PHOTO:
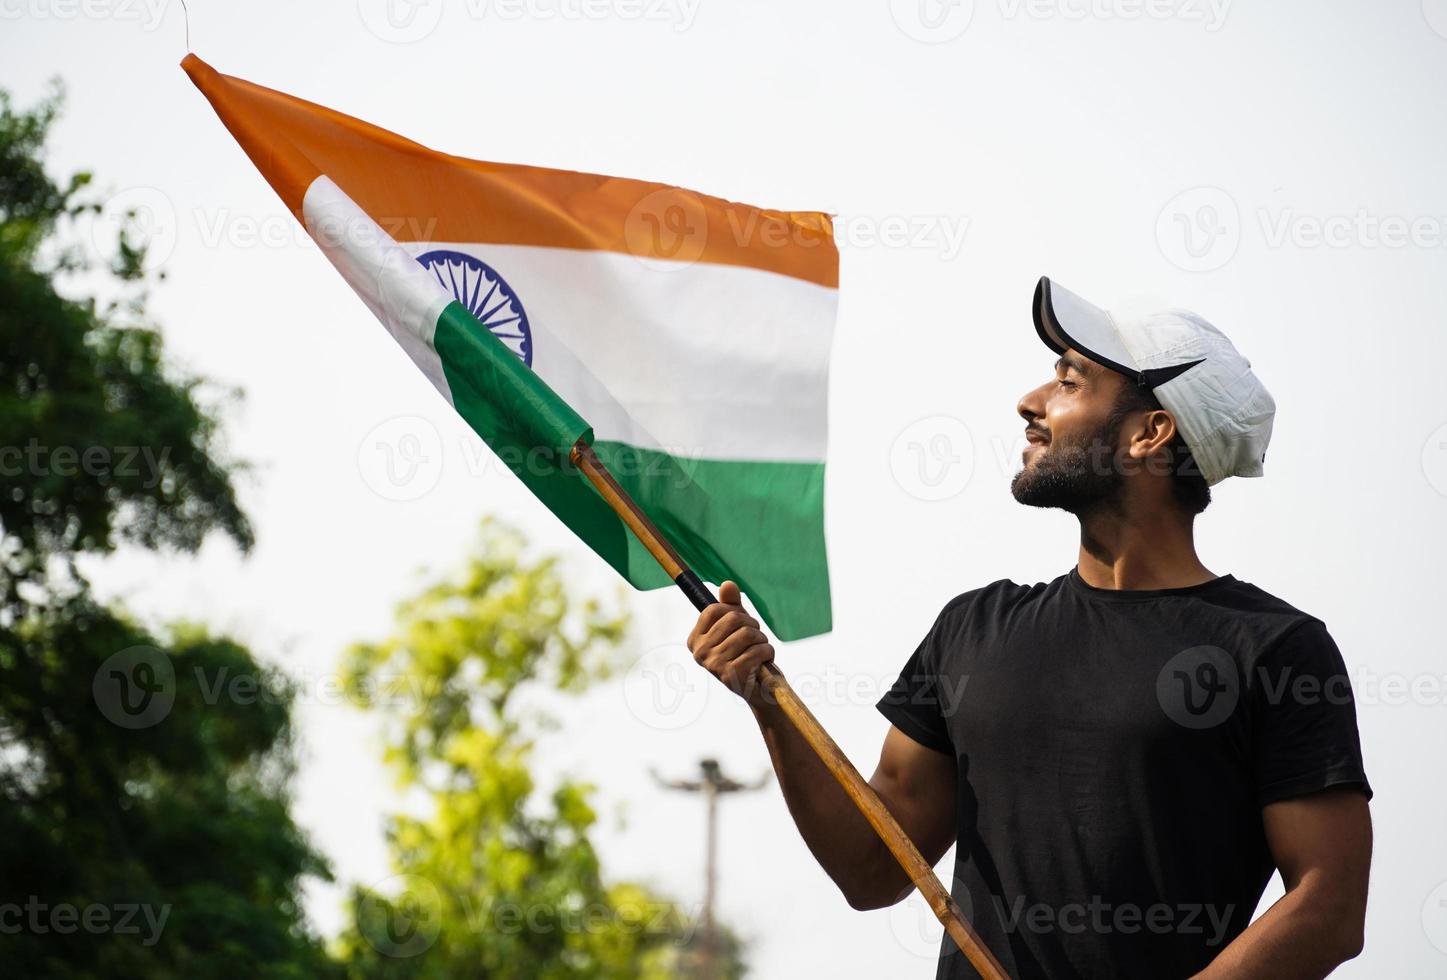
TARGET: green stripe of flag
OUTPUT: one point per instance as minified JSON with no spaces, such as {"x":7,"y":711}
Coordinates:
{"x":506,"y":396}
{"x":758,"y":523}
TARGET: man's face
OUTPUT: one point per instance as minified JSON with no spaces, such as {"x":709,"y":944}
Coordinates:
{"x":1073,"y":434}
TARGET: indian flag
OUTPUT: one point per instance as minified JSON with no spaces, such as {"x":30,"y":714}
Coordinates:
{"x":686,"y":337}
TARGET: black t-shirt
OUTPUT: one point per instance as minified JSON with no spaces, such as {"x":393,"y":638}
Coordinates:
{"x":1114,"y":750}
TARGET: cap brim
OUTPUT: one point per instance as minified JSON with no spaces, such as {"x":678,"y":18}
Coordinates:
{"x":1064,"y":320}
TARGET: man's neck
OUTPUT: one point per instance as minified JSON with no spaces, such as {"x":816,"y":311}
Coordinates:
{"x":1143,"y":547}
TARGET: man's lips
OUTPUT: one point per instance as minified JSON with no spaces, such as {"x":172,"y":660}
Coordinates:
{"x":1035,"y":438}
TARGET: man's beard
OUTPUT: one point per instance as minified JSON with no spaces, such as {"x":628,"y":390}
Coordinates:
{"x":1071,"y":476}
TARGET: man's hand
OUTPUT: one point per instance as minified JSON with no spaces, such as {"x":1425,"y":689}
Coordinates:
{"x":728,"y":643}
{"x":915,"y":783}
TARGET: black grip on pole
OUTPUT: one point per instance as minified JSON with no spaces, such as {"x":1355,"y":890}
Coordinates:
{"x":693,"y":587}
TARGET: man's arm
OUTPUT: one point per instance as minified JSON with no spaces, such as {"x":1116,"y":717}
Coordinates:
{"x":916,"y":784}
{"x":1322,"y":843}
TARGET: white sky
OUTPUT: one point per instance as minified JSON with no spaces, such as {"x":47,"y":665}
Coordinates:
{"x":1075,"y":138}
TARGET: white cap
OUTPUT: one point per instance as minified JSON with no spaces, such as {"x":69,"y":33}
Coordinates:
{"x":1223,"y":411}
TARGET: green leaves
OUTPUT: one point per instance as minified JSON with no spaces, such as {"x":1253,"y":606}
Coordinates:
{"x":465,"y":646}
{"x":499,"y":872}
{"x":178,"y":813}
{"x":100,"y":440}
{"x":144,"y":825}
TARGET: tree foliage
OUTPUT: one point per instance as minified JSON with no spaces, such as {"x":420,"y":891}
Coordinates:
{"x":497,"y":876}
{"x":144,"y":829}
{"x":157,"y":797}
{"x":99,"y":441}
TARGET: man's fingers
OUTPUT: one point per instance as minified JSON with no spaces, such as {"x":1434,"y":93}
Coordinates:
{"x":729,"y":643}
{"x":711,"y":614}
{"x":732,"y":646}
{"x":739,"y":674}
{"x":727,"y":625}
{"x":730,"y":600}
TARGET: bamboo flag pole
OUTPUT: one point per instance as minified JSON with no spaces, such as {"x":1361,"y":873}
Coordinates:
{"x":803,"y":719}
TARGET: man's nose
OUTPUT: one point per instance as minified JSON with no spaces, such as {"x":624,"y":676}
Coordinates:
{"x":1032,"y":404}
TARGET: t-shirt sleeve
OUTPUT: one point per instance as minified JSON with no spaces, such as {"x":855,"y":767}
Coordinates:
{"x":913,"y":704}
{"x":1304,"y":718}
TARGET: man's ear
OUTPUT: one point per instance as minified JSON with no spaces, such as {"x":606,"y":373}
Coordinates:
{"x":1156,"y":431}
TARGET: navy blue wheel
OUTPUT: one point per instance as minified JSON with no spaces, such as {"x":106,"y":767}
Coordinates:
{"x":486,"y":295}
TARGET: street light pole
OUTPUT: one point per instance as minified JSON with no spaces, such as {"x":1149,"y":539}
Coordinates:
{"x":712,"y":784}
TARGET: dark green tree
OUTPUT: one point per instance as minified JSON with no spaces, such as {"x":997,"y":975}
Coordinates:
{"x":99,"y":442}
{"x":144,"y":829}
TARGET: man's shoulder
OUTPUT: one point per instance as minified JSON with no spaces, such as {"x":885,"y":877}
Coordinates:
{"x":1269,"y":628}
{"x":994,"y":598}
{"x":1249,"y":599}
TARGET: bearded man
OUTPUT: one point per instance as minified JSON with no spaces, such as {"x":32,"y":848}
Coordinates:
{"x":1127,"y":753}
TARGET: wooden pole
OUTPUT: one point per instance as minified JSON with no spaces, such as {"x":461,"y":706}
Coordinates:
{"x":803,"y":719}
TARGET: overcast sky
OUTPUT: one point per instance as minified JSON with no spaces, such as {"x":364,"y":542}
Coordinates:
{"x":1275,"y":166}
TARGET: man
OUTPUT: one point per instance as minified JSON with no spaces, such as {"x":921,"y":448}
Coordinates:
{"x":1124,"y":754}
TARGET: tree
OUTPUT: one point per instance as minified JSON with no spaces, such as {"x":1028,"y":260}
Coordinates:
{"x":145,"y":785}
{"x":498,"y":877}
{"x":144,"y":829}
{"x":99,"y":442}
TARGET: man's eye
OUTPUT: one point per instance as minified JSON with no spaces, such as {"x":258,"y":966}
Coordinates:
{"x":1065,"y":383}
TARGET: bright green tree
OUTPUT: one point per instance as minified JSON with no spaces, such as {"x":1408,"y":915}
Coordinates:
{"x":497,"y":876}
{"x":144,"y":829}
